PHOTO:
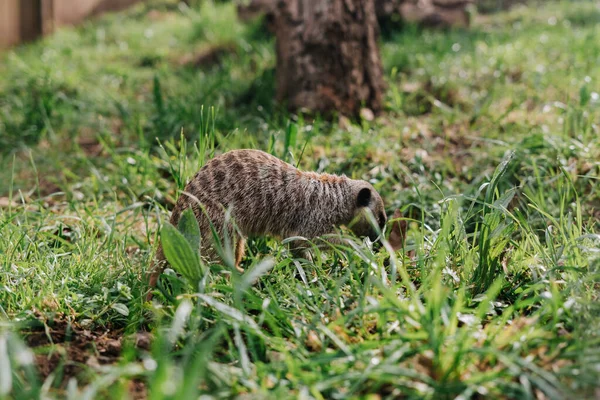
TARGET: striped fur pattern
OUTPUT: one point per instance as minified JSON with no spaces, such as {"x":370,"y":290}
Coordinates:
{"x":269,"y":197}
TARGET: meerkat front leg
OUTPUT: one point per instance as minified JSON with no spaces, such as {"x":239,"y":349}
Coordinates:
{"x":301,"y":249}
{"x":304,"y":249}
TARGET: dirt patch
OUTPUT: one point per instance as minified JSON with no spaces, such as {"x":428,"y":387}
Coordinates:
{"x":208,"y":57}
{"x":446,"y":146}
{"x":398,"y":231}
{"x":160,"y":15}
{"x":494,"y":6}
{"x":422,"y":97}
{"x":138,"y":390}
{"x":60,"y":341}
{"x":90,"y":146}
{"x":63,"y":345}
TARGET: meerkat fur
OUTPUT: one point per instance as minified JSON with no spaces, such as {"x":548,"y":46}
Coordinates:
{"x":269,"y":197}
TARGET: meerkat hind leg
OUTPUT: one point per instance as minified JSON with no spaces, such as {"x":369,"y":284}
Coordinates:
{"x":240,"y":248}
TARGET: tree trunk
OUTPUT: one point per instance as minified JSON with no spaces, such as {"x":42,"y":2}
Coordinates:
{"x":327,"y":55}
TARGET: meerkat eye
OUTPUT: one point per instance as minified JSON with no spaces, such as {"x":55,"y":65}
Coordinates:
{"x":364,"y":197}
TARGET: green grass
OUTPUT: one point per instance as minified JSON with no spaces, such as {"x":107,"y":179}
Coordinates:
{"x":488,"y":144}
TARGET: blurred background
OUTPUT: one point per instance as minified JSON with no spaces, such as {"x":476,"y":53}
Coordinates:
{"x":478,"y":120}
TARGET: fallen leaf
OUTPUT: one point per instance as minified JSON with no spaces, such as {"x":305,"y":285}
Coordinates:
{"x":313,"y":342}
{"x":6,"y":202}
{"x":398,"y":231}
{"x":367,"y":114}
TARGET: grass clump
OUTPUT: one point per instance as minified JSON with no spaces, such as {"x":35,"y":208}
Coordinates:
{"x":488,"y":146}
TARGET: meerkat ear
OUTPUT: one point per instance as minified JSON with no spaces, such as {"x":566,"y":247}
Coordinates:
{"x":364,"y":197}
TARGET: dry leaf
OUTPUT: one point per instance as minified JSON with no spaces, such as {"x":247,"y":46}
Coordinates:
{"x":5,"y":202}
{"x":398,"y":231}
{"x":367,"y":114}
{"x":313,"y":342}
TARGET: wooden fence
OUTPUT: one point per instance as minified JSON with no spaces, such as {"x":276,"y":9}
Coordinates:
{"x":24,"y":20}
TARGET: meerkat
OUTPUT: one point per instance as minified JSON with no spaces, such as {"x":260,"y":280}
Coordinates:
{"x":269,"y":197}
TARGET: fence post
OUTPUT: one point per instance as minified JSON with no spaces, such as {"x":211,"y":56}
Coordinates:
{"x":30,"y":19}
{"x":47,"y":16}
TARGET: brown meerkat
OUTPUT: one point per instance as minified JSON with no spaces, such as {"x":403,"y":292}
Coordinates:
{"x":269,"y":197}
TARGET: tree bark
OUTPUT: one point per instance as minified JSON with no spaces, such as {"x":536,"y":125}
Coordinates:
{"x":327,"y":55}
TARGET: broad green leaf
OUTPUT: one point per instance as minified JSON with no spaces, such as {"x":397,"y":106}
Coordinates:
{"x":188,"y":226}
{"x":182,"y":257}
{"x":121,"y":309}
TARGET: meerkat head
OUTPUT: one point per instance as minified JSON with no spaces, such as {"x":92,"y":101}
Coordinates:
{"x":367,"y":199}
